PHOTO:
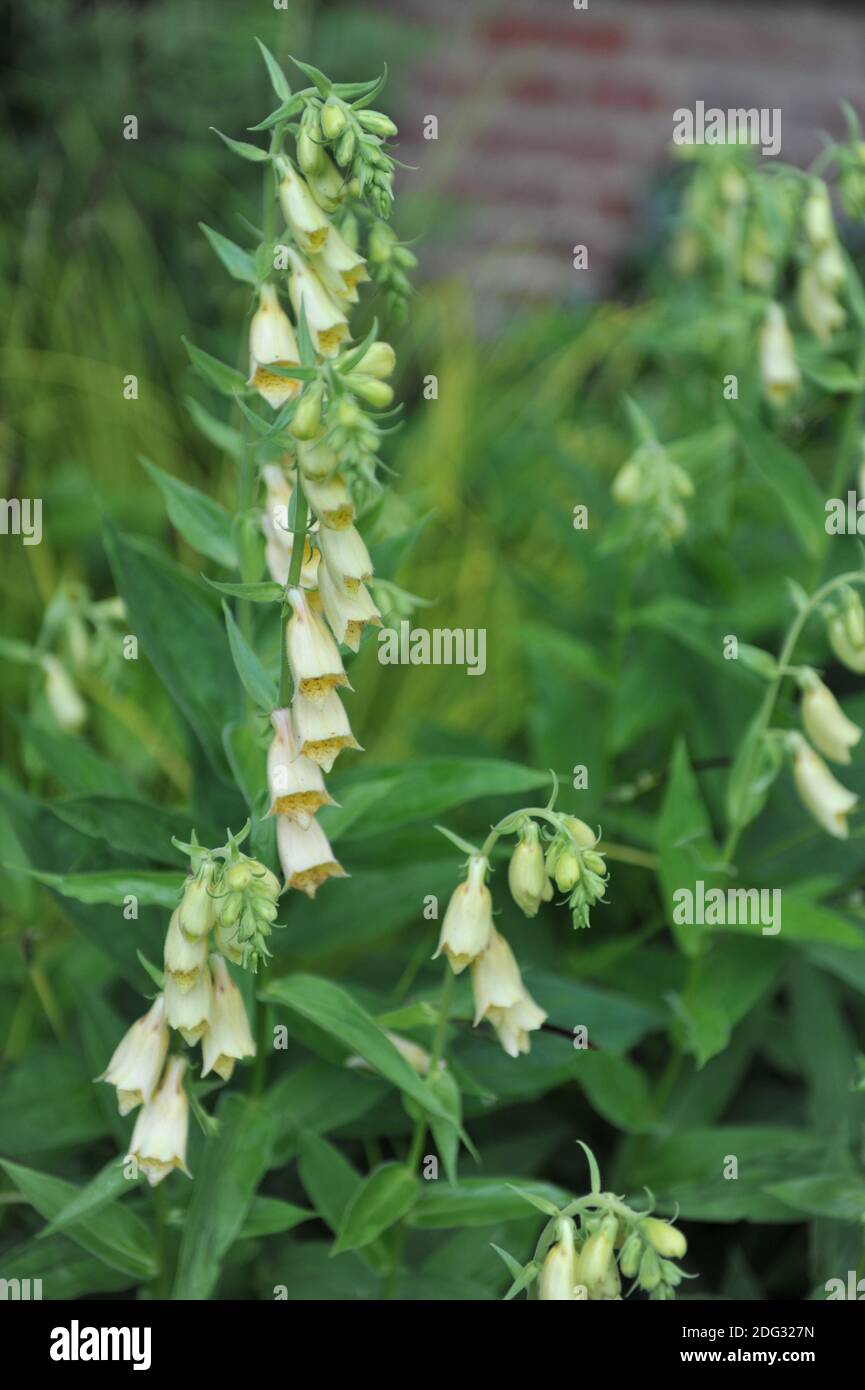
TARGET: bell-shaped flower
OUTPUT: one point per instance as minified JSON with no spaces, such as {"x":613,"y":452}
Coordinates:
{"x":295,"y":783}
{"x":502,"y":998}
{"x":818,"y":306}
{"x":228,"y":1038}
{"x":62,"y":695}
{"x":188,"y":1010}
{"x":307,"y":223}
{"x":136,"y":1063}
{"x":347,"y":613}
{"x":331,"y":501}
{"x":184,"y":956}
{"x":468,"y":921}
{"x":828,"y":801}
{"x":305,"y":855}
{"x":340,"y":267}
{"x":313,"y":656}
{"x":825,"y":722}
{"x":346,"y":557}
{"x":321,"y":728}
{"x":778,"y":369}
{"x":158,"y":1143}
{"x":272,"y":343}
{"x":328,"y":325}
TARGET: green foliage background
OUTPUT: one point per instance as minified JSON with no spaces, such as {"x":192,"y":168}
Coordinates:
{"x":725,"y":1043}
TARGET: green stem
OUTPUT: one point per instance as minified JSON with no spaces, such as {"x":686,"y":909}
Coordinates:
{"x":848,"y":430}
{"x":298,"y":545}
{"x":416,"y":1148}
{"x":767,"y":708}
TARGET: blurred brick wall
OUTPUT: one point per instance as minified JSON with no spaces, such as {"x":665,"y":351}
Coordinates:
{"x":554,"y":122}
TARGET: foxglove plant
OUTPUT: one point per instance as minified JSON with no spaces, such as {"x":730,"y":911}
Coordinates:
{"x":317,"y":454}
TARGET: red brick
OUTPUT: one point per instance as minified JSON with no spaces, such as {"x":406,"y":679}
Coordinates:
{"x":626,"y":94}
{"x":514,"y":31}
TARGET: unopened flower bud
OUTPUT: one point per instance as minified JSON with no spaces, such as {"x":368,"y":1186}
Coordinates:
{"x":197,"y":910}
{"x":370,"y":389}
{"x":333,"y":118}
{"x":650,"y":1270}
{"x":378,"y":360}
{"x":527,"y":878}
{"x":559,"y":1275}
{"x":667,"y":1240}
{"x":306,"y":421}
{"x":629,"y":1258}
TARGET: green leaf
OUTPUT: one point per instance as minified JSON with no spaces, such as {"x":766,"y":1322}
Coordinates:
{"x":232,"y":1164}
{"x":264,"y":591}
{"x":328,"y":1178}
{"x":200,"y":520}
{"x":383,"y":1198}
{"x":785,"y":474}
{"x":480,"y":1202}
{"x":239,"y":264}
{"x":48,"y":1102}
{"x":114,"y":1235}
{"x":133,"y":827}
{"x":224,"y":379}
{"x":333,"y":1009}
{"x":102,"y":1190}
{"x":246,"y":151}
{"x":687,"y":851}
{"x":835,"y":1196}
{"x":723,"y":986}
{"x":315,"y":75}
{"x":258,"y":684}
{"x":75,"y":766}
{"x":67,"y":1270}
{"x":835,"y":377}
{"x":278,"y":79}
{"x":180,"y":635}
{"x":755,"y":767}
{"x":217,"y":431}
{"x":151,"y":887}
{"x":616,"y":1089}
{"x":269,"y":1216}
{"x":375,"y":800}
